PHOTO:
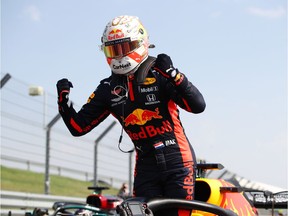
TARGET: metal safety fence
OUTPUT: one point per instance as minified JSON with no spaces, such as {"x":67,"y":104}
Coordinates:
{"x":33,"y":135}
{"x":17,"y":203}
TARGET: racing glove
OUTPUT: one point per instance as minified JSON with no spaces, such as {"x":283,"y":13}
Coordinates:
{"x":164,"y":66}
{"x":63,"y":89}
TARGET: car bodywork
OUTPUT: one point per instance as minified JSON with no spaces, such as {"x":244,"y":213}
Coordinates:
{"x":212,"y":197}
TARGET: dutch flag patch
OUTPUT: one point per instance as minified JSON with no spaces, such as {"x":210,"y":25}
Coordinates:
{"x":159,"y":145}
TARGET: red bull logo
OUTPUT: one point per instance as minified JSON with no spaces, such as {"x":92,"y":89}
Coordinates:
{"x":189,"y":182}
{"x":140,"y":117}
{"x":150,"y":131}
{"x":235,"y":201}
{"x":115,"y":34}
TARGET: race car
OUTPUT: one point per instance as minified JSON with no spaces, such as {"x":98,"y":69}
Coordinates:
{"x":212,"y":197}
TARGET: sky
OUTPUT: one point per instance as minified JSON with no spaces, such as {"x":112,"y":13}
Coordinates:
{"x":233,"y":51}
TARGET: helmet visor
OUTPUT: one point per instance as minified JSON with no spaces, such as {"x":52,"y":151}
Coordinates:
{"x":119,"y":48}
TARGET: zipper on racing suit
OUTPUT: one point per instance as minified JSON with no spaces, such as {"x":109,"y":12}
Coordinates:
{"x":159,"y":154}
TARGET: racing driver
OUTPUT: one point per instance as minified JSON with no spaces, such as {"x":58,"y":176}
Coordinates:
{"x":143,"y":93}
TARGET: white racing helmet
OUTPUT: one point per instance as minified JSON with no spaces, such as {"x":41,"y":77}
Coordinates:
{"x":125,"y":44}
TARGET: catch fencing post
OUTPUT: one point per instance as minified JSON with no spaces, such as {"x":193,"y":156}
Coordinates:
{"x":5,"y":79}
{"x":96,"y":150}
{"x":47,"y":161}
{"x":130,"y":173}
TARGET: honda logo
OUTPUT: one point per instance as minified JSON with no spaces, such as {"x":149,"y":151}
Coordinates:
{"x":151,"y":97}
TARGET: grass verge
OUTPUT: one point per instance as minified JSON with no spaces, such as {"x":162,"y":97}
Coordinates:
{"x":32,"y":182}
